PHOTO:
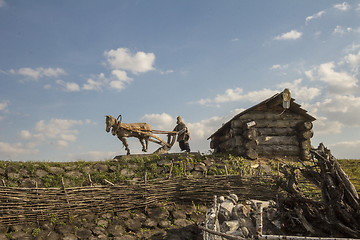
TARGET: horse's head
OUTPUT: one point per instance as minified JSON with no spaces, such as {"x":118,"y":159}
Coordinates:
{"x":110,"y":121}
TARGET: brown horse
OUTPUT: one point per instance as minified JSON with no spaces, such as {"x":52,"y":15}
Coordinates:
{"x":142,"y":131}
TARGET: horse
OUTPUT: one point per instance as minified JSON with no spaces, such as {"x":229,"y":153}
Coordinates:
{"x":142,"y":131}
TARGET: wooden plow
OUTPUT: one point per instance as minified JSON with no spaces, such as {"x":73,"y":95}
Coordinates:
{"x":165,"y":146}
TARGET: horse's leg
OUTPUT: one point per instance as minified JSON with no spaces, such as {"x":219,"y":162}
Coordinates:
{"x":142,"y":144}
{"x":123,"y":139}
{"x":147,"y":143}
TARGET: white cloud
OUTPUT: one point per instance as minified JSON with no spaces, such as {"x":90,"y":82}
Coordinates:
{"x":279,"y":67}
{"x":316,"y":15}
{"x":324,"y":126}
{"x":3,"y":105}
{"x":3,"y":108}
{"x":235,"y":95}
{"x":25,"y":134}
{"x":338,"y":82}
{"x":121,"y":79}
{"x":204,"y":128}
{"x":342,"y":6}
{"x":11,"y":151}
{"x":123,"y":59}
{"x":69,"y":86}
{"x":39,"y":72}
{"x":166,"y":72}
{"x":339,"y":30}
{"x":342,"y":108}
{"x":2,"y":3}
{"x":354,"y":61}
{"x":300,"y":92}
{"x":57,"y":131}
{"x":96,"y":82}
{"x":350,"y":149}
{"x":160,"y":121}
{"x":292,"y":35}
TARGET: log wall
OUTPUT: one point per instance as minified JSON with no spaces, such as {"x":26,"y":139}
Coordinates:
{"x":274,"y":134}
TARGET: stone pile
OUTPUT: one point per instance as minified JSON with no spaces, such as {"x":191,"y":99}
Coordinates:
{"x":229,"y":217}
{"x":163,"y":221}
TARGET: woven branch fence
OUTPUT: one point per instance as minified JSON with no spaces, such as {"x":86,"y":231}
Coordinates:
{"x":34,"y":205}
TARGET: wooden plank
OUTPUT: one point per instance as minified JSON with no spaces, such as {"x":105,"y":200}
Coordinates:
{"x":278,"y":140}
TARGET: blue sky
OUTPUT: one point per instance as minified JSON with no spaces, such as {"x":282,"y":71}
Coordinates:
{"x":64,"y":65}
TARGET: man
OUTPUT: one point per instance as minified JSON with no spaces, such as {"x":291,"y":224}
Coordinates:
{"x":183,"y":134}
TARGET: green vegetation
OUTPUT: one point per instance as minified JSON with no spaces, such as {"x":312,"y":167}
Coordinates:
{"x":82,"y":173}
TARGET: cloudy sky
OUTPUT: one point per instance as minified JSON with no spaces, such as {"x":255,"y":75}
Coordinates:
{"x":64,"y":65}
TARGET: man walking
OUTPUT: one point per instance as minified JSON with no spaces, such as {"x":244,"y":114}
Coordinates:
{"x":183,"y":134}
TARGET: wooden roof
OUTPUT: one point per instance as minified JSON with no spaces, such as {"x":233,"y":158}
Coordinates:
{"x":272,"y":101}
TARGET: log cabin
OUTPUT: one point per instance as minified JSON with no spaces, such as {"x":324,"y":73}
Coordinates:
{"x":276,"y":127}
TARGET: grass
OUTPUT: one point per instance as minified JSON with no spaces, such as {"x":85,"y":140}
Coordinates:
{"x":148,"y":165}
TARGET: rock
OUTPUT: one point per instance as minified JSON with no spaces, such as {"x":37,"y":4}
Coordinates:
{"x":47,"y":226}
{"x":99,"y":231}
{"x":189,"y":166}
{"x":42,"y":235}
{"x":164,"y":163}
{"x":116,"y":230}
{"x":20,"y":235}
{"x":236,"y":233}
{"x":229,"y":226}
{"x":2,"y":171}
{"x":241,"y":210}
{"x":141,"y":217}
{"x":101,"y":167}
{"x":197,"y":217}
{"x":103,"y":223}
{"x":127,"y":172}
{"x":189,"y":209}
{"x":69,"y":237}
{"x":41,"y":173}
{"x":87,"y":169}
{"x":56,"y":170}
{"x":102,"y":237}
{"x":13,"y":175}
{"x":233,"y":197}
{"x":28,"y":183}
{"x":128,"y":237}
{"x":133,"y":225}
{"x":65,"y":229}
{"x":226,"y":209}
{"x":178,"y":214}
{"x":245,"y":231}
{"x":209,"y":162}
{"x":107,"y":215}
{"x":157,"y":213}
{"x":201,"y":167}
{"x":164,"y":223}
{"x":83,"y":233}
{"x":74,"y":174}
{"x":159,"y":235}
{"x":181,"y":223}
{"x":53,"y":236}
{"x":4,"y":228}
{"x":150,"y":223}
{"x":271,"y":213}
{"x":24,"y":173}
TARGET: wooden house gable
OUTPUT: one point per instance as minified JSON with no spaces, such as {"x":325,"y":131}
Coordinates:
{"x":267,"y":129}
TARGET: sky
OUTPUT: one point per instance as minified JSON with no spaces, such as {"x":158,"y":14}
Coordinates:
{"x":65,"y":64}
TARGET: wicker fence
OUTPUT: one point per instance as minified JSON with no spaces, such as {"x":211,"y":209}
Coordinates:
{"x":25,"y":205}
